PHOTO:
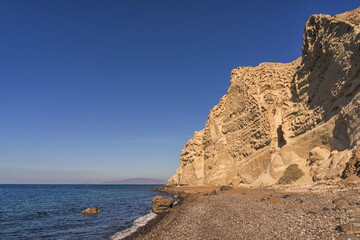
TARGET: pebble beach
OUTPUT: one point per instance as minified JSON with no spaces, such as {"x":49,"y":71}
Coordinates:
{"x":317,"y":212}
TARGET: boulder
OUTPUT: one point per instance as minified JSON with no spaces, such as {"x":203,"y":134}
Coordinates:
{"x":161,"y":204}
{"x":318,"y":154}
{"x":341,"y":204}
{"x":353,"y":165}
{"x":225,"y":188}
{"x":213,"y":192}
{"x":91,"y":210}
{"x":346,"y":228}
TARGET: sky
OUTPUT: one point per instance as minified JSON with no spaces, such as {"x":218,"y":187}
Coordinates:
{"x":93,"y":91}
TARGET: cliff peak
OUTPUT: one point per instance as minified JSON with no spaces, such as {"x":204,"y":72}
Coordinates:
{"x":306,"y":112}
{"x":352,"y":16}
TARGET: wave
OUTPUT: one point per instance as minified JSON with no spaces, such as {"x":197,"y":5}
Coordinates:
{"x":139,"y":222}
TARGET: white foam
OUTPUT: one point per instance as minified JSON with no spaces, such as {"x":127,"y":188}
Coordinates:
{"x":139,"y":222}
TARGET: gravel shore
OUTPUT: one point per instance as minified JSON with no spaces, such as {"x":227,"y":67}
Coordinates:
{"x":319,"y":212}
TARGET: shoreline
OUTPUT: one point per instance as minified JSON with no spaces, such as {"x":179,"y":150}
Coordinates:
{"x":258,"y":213}
{"x":146,"y":228}
{"x":152,"y":222}
{"x":159,"y":217}
{"x":181,"y":193}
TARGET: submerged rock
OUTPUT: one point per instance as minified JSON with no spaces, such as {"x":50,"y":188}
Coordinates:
{"x":161,"y":204}
{"x":91,"y":210}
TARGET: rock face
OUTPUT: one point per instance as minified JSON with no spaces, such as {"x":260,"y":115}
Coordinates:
{"x":306,"y":112}
{"x":353,"y":165}
{"x":161,"y":204}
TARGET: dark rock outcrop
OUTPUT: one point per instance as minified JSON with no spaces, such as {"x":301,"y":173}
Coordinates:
{"x":161,"y":204}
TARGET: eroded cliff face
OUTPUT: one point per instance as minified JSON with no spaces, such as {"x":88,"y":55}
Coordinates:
{"x":305,"y":112}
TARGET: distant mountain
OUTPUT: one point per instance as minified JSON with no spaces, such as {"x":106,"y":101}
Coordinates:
{"x":136,"y":181}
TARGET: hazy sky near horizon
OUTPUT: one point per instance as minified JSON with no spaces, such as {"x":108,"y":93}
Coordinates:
{"x":92,"y":91}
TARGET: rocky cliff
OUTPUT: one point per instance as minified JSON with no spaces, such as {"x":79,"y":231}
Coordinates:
{"x":306,"y":112}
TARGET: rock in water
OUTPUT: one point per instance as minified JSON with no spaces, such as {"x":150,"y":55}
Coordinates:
{"x":91,"y":210}
{"x":161,"y":204}
{"x":306,"y":112}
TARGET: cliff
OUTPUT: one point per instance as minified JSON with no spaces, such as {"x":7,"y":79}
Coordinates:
{"x":306,"y":112}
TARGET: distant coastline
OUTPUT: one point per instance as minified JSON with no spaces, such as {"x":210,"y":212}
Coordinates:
{"x":128,"y":181}
{"x":136,"y":181}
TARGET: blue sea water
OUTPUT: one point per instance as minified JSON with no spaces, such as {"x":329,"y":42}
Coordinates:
{"x":54,"y":211}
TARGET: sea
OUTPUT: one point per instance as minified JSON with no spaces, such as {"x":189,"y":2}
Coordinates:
{"x":54,"y":211}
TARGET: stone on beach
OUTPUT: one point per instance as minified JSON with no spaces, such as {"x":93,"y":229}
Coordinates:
{"x":346,"y":228}
{"x":161,"y":204}
{"x":225,"y":188}
{"x":340,"y":203}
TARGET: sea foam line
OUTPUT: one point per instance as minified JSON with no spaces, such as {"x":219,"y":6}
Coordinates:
{"x":139,"y":222}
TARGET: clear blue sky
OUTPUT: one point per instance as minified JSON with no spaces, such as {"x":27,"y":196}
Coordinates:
{"x":102,"y":90}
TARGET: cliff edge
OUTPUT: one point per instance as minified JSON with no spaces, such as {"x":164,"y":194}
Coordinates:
{"x":306,"y":112}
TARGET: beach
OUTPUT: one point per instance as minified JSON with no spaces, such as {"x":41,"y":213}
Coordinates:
{"x":323,"y":211}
